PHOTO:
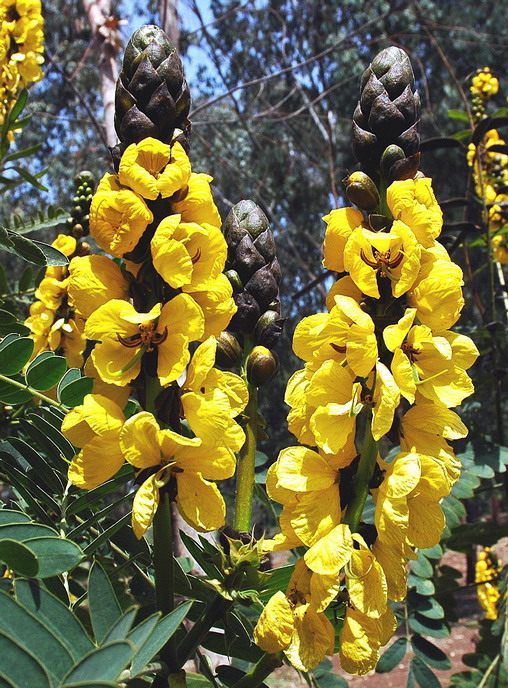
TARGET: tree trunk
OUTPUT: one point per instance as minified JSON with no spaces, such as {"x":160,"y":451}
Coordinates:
{"x":169,"y":20}
{"x":107,"y":42}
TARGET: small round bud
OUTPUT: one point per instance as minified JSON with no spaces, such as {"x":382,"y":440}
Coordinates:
{"x":262,"y":365}
{"x":84,"y":177}
{"x":361,"y":190}
{"x":229,"y":351}
{"x":268,"y":329}
{"x":235,"y":280}
{"x":83,"y":249}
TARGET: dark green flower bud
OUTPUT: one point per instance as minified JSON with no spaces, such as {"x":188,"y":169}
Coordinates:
{"x":389,"y":109}
{"x":361,"y":190}
{"x":85,"y":178}
{"x":268,"y":329}
{"x":262,"y":365}
{"x":152,"y":97}
{"x":229,"y":351}
{"x":395,"y":165}
{"x":251,"y":258}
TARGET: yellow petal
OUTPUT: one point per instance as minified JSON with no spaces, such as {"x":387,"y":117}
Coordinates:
{"x":303,"y":470}
{"x":95,"y":280}
{"x":144,"y":506}
{"x":330,"y":554}
{"x":313,"y":638}
{"x":199,"y":502}
{"x":366,"y":583}
{"x":314,"y":514}
{"x":97,"y":462}
{"x":275,"y":625}
{"x":394,"y":335}
{"x":170,"y":257}
{"x":340,"y":223}
{"x":386,"y":400}
{"x":140,"y":442}
{"x":197,"y":203}
{"x":177,"y":172}
{"x":141,"y":164}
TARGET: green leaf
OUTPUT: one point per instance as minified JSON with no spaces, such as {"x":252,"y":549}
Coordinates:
{"x":55,"y":615}
{"x":92,"y":684}
{"x":73,"y":393}
{"x":18,"y":106}
{"x":27,"y":630}
{"x":25,"y":531}
{"x":198,"y":681}
{"x":91,"y":497}
{"x":422,"y":567}
{"x":423,"y":675}
{"x":462,"y":134}
{"x":28,"y":488}
{"x":392,"y":656}
{"x":52,"y":433}
{"x":9,"y":516}
{"x":122,"y":626}
{"x":423,"y":586}
{"x":216,"y":642}
{"x":55,"y":555}
{"x":23,"y":153}
{"x":46,"y":474}
{"x":426,"y":606}
{"x":26,"y":278}
{"x":30,"y":178}
{"x":106,"y":663}
{"x":52,"y":256}
{"x":19,"y":558}
{"x":4,"y":287}
{"x":458,"y":114}
{"x":19,"y":667}
{"x":430,"y":653}
{"x":45,"y":371}
{"x":107,"y":534}
{"x":165,"y":628}
{"x":104,"y":606}
{"x":13,"y":395}
{"x":15,"y":352}
{"x":425,"y":626}
{"x":229,"y":675}
{"x":97,"y":517}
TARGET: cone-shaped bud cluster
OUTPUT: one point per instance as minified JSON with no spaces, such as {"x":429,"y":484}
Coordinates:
{"x":152,"y":97}
{"x":79,"y":221}
{"x":254,"y":273}
{"x":388,"y":110}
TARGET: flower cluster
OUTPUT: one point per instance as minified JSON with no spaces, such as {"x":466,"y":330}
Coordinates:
{"x":487,"y":573}
{"x":383,"y":350}
{"x":21,"y":48}
{"x":484,"y":84}
{"x":52,"y":322}
{"x":163,"y":290}
{"x":490,"y":167}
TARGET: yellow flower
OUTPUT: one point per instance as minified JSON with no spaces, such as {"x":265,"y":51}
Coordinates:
{"x":189,"y":462}
{"x":120,"y":395}
{"x":52,"y":292}
{"x":487,"y":573}
{"x":185,"y":253}
{"x":215,"y":299}
{"x":343,"y":287}
{"x":94,"y":427}
{"x":126,"y":335}
{"x":407,"y":501}
{"x":307,"y":484}
{"x":212,"y":398}
{"x":484,"y":84}
{"x":95,"y":280}
{"x":151,"y":167}
{"x":393,"y":560}
{"x":195,"y":201}
{"x":361,"y":638}
{"x":499,"y":248}
{"x":423,"y":430}
{"x":393,"y":255}
{"x":346,"y":333}
{"x":118,"y":217}
{"x":433,"y":366}
{"x":437,"y":293}
{"x":340,"y":224}
{"x":291,"y":623}
{"x":413,"y":202}
{"x":73,"y":343}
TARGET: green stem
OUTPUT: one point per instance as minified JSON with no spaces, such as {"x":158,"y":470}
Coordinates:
{"x":164,"y":572}
{"x":33,"y":391}
{"x":214,"y":611}
{"x":245,"y":478}
{"x":266,"y":665}
{"x":362,"y":478}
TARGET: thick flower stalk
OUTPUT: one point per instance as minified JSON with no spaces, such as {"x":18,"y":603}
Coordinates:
{"x":21,"y":48}
{"x":254,"y":273}
{"x":381,"y":364}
